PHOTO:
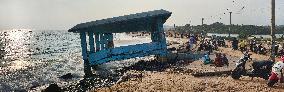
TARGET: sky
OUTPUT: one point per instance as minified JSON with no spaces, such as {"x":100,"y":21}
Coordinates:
{"x":64,"y":14}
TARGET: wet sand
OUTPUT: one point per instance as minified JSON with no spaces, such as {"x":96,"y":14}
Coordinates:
{"x":178,"y":77}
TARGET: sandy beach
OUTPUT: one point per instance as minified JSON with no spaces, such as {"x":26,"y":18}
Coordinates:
{"x":178,"y":77}
{"x":141,"y":45}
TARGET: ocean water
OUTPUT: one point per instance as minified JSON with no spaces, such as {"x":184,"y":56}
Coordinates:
{"x":222,"y":35}
{"x":236,"y":35}
{"x":30,"y":60}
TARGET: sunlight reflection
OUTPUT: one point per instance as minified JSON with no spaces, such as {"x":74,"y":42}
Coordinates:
{"x":15,"y":47}
{"x":20,"y":64}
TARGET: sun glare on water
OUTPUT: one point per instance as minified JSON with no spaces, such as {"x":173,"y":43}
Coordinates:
{"x":15,"y":48}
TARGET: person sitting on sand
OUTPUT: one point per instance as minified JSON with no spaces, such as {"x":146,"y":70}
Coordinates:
{"x":218,"y":60}
{"x":261,"y":49}
{"x":214,"y":44}
{"x":206,"y":59}
{"x":225,"y":60}
{"x":222,"y":43}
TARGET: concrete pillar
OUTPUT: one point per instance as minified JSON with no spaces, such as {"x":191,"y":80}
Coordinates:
{"x":161,"y":35}
{"x":83,"y":45}
{"x":87,"y":68}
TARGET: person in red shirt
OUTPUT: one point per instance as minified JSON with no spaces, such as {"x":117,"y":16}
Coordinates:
{"x":218,"y":60}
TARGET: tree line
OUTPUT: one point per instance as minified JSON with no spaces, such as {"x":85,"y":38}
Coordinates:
{"x":221,"y":28}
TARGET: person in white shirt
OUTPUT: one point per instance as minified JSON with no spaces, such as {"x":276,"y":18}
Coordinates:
{"x":276,"y":73}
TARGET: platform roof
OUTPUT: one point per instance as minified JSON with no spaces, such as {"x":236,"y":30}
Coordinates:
{"x":128,"y":23}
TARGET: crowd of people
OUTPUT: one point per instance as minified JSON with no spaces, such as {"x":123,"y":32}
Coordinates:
{"x":209,"y":45}
{"x":245,"y":46}
{"x":255,"y":47}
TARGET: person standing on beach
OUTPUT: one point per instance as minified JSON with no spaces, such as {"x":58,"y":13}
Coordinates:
{"x":242,"y":45}
{"x":261,"y":49}
{"x":209,"y":46}
{"x":196,"y":38}
{"x":192,"y":41}
{"x":235,"y":43}
{"x":252,"y":45}
{"x":276,"y":47}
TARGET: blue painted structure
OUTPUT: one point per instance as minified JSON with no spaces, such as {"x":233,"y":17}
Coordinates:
{"x":101,"y":38}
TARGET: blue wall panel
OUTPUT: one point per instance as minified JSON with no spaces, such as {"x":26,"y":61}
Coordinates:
{"x":126,"y":52}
